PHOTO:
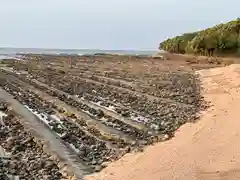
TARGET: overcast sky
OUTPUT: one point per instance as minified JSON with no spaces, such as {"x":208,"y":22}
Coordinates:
{"x":106,"y":24}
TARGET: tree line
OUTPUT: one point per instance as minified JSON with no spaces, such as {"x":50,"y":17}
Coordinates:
{"x":221,"y":39}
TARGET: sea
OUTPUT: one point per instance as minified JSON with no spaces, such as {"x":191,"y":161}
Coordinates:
{"x":9,"y":53}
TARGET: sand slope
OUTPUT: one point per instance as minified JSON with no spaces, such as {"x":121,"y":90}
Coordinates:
{"x":206,"y":150}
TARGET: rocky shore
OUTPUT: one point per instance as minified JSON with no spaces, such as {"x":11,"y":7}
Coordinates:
{"x":26,"y":157}
{"x":102,"y":111}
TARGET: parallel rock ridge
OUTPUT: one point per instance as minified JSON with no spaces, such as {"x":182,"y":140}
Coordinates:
{"x":98,"y":111}
{"x":22,"y":156}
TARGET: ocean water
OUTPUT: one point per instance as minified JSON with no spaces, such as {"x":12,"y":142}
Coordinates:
{"x":11,"y":52}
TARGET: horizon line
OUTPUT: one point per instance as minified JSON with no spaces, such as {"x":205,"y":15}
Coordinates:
{"x":6,"y":47}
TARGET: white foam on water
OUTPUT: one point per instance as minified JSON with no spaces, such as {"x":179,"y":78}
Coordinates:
{"x":74,"y":148}
{"x":55,"y":117}
{"x":2,"y":114}
{"x":103,"y":119}
{"x":43,"y":117}
{"x":88,"y":112}
{"x":61,"y":135}
{"x":110,"y":108}
{"x":59,"y":126}
{"x":140,"y":119}
{"x":97,"y":103}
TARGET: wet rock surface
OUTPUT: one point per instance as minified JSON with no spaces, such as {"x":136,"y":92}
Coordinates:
{"x":161,"y":98}
{"x":90,"y":150}
{"x":27,"y":158}
{"x":158,"y":111}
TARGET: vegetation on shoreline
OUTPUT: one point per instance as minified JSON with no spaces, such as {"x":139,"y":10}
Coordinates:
{"x":221,"y":39}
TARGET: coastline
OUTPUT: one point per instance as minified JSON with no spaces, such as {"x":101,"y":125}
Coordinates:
{"x":73,"y":52}
{"x":205,"y":150}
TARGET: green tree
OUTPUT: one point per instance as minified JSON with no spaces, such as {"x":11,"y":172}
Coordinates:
{"x":220,"y":39}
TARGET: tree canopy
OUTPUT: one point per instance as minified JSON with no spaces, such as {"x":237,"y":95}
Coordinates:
{"x":220,"y":39}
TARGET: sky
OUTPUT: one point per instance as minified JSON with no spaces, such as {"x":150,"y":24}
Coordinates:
{"x":106,"y":24}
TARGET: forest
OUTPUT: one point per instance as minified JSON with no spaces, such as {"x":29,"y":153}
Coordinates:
{"x":222,"y":39}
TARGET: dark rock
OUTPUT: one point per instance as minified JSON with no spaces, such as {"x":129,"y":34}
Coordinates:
{"x":98,"y":168}
{"x":3,"y":107}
